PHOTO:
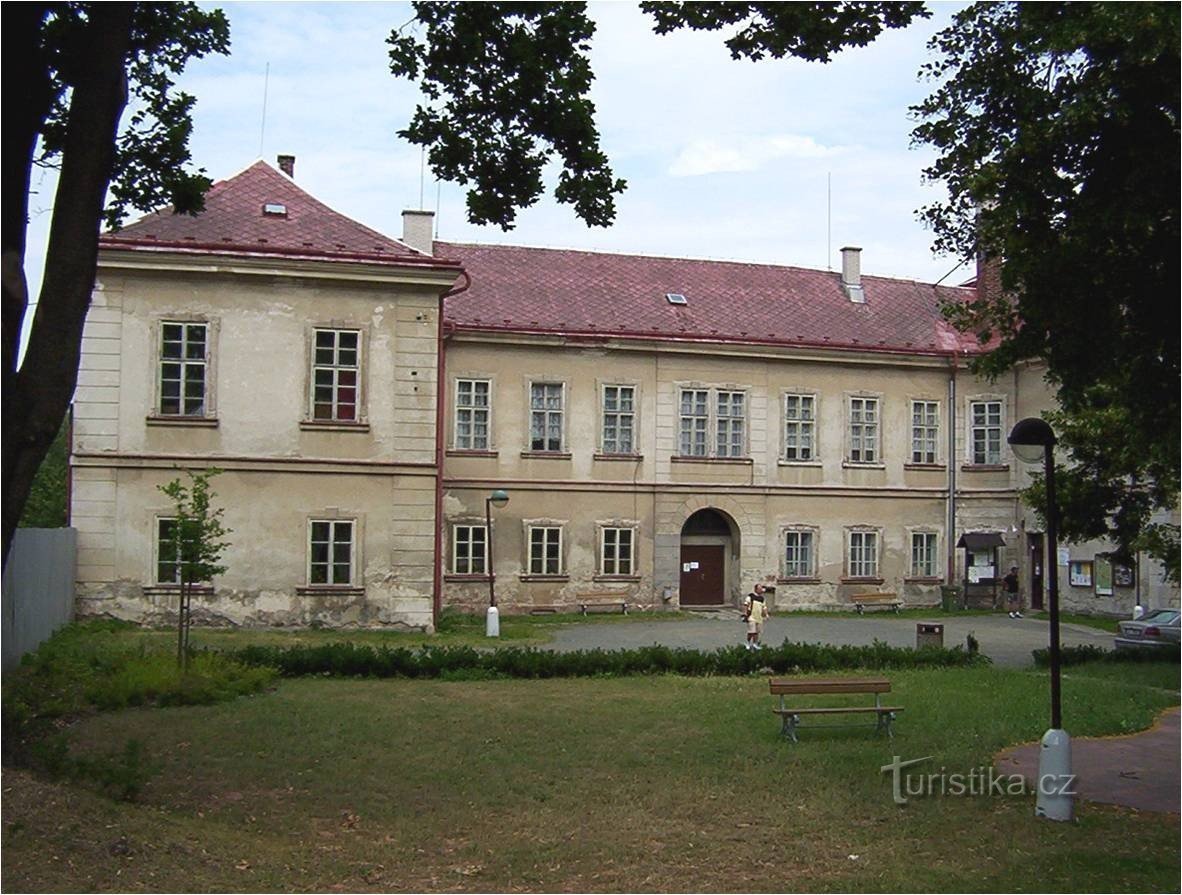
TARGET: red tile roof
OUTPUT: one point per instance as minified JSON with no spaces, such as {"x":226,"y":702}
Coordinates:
{"x":596,"y":294}
{"x":234,"y":222}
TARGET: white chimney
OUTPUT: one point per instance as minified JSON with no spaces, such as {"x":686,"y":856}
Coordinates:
{"x":851,"y":274}
{"x":418,"y":230}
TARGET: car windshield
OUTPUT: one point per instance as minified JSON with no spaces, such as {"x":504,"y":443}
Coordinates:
{"x":1161,"y":616}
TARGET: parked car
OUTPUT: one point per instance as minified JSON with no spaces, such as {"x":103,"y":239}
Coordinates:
{"x":1156,"y":628}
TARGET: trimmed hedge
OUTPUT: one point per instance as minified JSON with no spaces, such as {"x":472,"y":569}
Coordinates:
{"x":353,"y":660}
{"x":1077,"y":655}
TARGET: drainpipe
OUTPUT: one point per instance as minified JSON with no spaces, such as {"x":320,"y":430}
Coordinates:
{"x":951,"y":538}
{"x":440,"y":418}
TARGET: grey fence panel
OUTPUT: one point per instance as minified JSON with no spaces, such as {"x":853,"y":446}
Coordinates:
{"x":38,"y":588}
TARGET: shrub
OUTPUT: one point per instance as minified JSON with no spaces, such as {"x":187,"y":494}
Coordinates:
{"x":1077,"y":655}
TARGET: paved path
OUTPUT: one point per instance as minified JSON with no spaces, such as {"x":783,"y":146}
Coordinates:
{"x":1137,"y":771}
{"x":1007,"y":641}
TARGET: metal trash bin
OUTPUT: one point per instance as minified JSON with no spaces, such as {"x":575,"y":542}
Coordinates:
{"x":929,"y":634}
{"x":949,"y":597}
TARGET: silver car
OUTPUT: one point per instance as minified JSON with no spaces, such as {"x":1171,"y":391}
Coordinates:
{"x":1156,"y":628}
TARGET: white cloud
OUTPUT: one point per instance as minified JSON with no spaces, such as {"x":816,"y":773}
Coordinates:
{"x":714,"y":155}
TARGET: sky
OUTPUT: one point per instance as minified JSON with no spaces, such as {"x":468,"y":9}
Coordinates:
{"x":777,"y":161}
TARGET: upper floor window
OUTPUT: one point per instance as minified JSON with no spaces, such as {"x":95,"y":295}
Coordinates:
{"x":184,"y":362}
{"x":728,"y":423}
{"x":925,"y":431}
{"x":862,"y":556}
{"x":545,"y":550}
{"x":863,"y":430}
{"x":615,"y":551}
{"x":923,"y":554}
{"x":469,"y":550}
{"x":330,"y":552}
{"x":545,"y":416}
{"x":799,"y":554}
{"x":619,"y":419}
{"x":800,"y":420}
{"x":472,"y":407}
{"x":336,"y":369}
{"x":985,"y":432}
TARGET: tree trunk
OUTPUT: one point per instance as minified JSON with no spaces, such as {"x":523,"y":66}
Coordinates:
{"x":36,"y":397}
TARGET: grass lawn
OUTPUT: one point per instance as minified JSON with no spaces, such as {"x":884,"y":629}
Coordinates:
{"x":606,"y":784}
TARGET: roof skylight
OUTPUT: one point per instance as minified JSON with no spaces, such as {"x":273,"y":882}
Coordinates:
{"x":275,"y":209}
{"x":676,"y":298}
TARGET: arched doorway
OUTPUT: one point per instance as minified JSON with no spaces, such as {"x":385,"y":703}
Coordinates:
{"x":709,"y":547}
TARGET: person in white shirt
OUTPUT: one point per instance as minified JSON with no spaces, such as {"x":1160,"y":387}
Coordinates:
{"x":755,"y":612}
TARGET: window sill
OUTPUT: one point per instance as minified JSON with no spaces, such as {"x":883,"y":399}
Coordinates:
{"x":923,"y":580}
{"x":330,"y":590}
{"x":466,"y":452}
{"x":620,"y":578}
{"x":876,"y":581}
{"x":151,"y":590}
{"x":798,"y":581}
{"x":985,"y":467}
{"x":546,"y":455}
{"x":544,"y":577}
{"x":718,"y":461}
{"x":925,"y":467}
{"x":856,"y":464}
{"x":813,"y":464}
{"x":332,"y":426}
{"x":194,"y":422}
{"x":615,"y":457}
{"x":461,"y":578}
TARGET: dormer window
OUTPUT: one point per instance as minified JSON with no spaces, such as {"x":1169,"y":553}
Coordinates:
{"x":275,"y":210}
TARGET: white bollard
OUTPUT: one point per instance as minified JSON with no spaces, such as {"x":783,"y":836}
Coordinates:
{"x":1056,"y":783}
{"x":492,"y":622}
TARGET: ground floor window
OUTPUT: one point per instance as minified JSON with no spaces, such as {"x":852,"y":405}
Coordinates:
{"x":330,"y":552}
{"x":545,"y":550}
{"x":923,"y":554}
{"x":469,"y":550}
{"x":798,"y":554}
{"x":616,"y":554}
{"x":862,"y":559}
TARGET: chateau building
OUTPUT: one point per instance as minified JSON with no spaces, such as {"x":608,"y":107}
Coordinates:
{"x":668,"y":431}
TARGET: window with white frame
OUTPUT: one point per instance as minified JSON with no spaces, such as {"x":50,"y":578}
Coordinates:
{"x":619,"y":419}
{"x":545,"y":416}
{"x":615,"y":551}
{"x":168,"y":552}
{"x":799,"y":554}
{"x":985,"y":431}
{"x":925,"y":431}
{"x":545,"y":550}
{"x":472,"y":408}
{"x":336,"y":372}
{"x":469,"y":550}
{"x":695,"y":422}
{"x":800,"y":420}
{"x":330,"y":552}
{"x":862,"y":556}
{"x":863,"y":430}
{"x":731,"y":421}
{"x":923,"y":554}
{"x":184,"y":363}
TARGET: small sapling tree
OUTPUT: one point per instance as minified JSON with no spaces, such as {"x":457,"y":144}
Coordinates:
{"x":196,"y":539}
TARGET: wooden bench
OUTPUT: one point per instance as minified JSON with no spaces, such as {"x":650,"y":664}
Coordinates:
{"x":604,"y":605}
{"x":790,"y":717}
{"x":890,"y":600}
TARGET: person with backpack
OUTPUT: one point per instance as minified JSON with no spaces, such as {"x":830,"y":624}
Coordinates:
{"x":755,"y":613}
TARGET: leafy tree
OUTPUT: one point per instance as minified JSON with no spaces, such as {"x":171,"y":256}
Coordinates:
{"x":69,"y":71}
{"x":46,"y":507}
{"x":1057,"y":127}
{"x":197,"y":544}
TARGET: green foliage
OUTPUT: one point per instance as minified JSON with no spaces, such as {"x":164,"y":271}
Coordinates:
{"x":1058,"y":132}
{"x":355,"y":660}
{"x":46,"y":506}
{"x":1079,"y":655}
{"x":120,"y":775}
{"x":199,"y":533}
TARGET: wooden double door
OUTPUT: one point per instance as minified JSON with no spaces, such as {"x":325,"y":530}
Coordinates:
{"x":703,"y":575}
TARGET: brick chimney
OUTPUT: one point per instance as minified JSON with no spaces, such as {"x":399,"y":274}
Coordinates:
{"x":418,"y":230}
{"x":988,"y":277}
{"x":287,"y":165}
{"x":851,"y":274}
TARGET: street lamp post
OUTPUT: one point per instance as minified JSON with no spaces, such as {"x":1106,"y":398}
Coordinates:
{"x":1033,"y":440}
{"x":492,"y":621}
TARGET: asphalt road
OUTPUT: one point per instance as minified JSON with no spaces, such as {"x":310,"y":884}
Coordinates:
{"x":1008,"y":642}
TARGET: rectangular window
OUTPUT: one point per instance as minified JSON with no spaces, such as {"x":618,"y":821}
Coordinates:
{"x":730,"y":420}
{"x":863,"y":430}
{"x":923,"y":554}
{"x":545,"y":416}
{"x":619,"y":419}
{"x":469,"y":550}
{"x":545,"y":550}
{"x":798,"y":554}
{"x":616,"y":551}
{"x":695,"y":422}
{"x":799,"y":427}
{"x":472,"y":407}
{"x":985,"y":432}
{"x":330,"y":555}
{"x":925,"y":431}
{"x":168,"y":552}
{"x":336,"y":368}
{"x":183,"y":363}
{"x":863,"y":554}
